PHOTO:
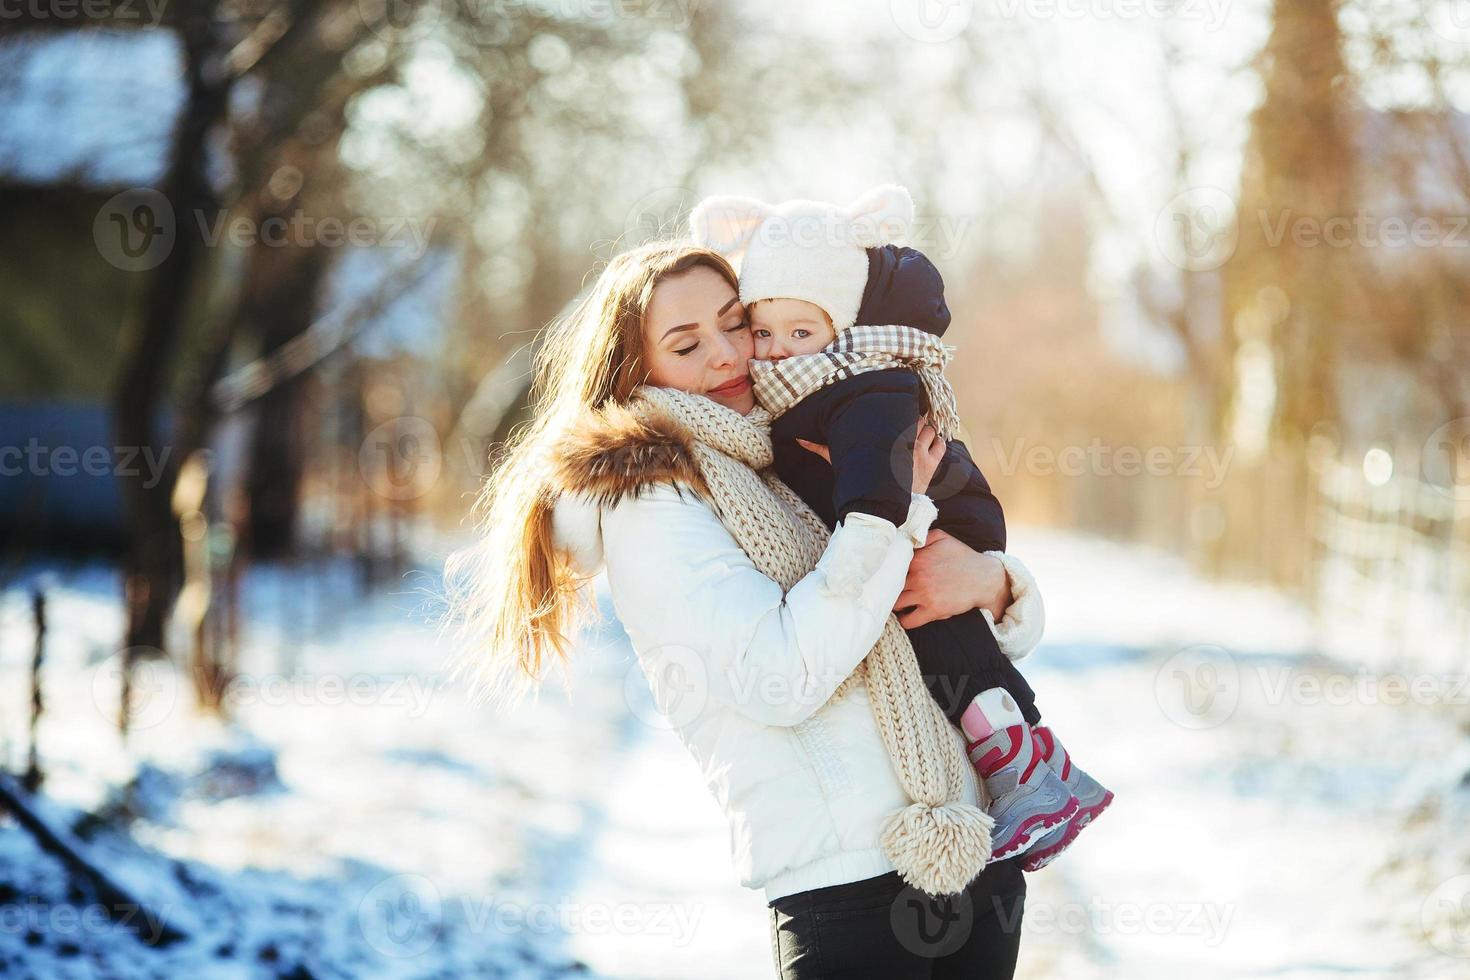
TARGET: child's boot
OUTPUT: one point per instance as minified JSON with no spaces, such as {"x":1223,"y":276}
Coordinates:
{"x":1028,"y":798}
{"x":1092,"y":798}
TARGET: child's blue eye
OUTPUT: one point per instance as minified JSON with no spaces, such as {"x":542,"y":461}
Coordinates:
{"x":760,"y":332}
{"x":804,"y":333}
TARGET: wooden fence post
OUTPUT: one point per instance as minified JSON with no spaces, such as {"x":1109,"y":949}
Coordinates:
{"x":33,"y":774}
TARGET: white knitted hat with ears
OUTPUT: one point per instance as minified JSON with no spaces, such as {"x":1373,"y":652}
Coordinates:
{"x":805,"y":250}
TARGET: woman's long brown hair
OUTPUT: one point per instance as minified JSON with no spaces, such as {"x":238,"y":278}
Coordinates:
{"x":515,"y":602}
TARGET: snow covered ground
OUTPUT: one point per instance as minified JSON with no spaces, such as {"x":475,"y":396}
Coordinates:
{"x":1279,"y":813}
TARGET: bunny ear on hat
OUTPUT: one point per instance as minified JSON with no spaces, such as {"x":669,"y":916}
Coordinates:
{"x":727,"y":222}
{"x":881,"y":216}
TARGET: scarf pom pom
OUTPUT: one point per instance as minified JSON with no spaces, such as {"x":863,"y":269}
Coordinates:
{"x":938,"y":849}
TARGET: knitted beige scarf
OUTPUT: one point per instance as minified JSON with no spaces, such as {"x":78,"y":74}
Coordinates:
{"x":937,"y":843}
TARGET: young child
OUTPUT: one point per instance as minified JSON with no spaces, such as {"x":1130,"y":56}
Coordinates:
{"x":809,"y":274}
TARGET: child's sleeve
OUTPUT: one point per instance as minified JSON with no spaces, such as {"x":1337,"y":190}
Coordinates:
{"x":971,"y":511}
{"x":870,"y":432}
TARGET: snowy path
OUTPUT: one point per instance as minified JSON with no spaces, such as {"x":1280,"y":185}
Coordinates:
{"x":1264,"y":833}
{"x":1261,"y":789}
{"x":1260,"y":830}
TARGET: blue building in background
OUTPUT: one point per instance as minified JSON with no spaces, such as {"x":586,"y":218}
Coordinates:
{"x":86,"y":116}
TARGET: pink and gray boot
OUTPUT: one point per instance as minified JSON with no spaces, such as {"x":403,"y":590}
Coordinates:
{"x":1092,"y":798}
{"x":1029,"y":799}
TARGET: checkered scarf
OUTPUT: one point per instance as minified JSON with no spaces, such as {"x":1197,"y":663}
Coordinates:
{"x":780,"y":384}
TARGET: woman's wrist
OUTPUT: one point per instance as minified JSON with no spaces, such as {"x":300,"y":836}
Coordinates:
{"x":992,"y":585}
{"x":1020,"y":623}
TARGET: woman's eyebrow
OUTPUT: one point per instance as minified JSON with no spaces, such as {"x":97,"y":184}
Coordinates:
{"x":691,"y":326}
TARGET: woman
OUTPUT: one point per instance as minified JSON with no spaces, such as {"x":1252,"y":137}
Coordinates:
{"x":770,"y":648}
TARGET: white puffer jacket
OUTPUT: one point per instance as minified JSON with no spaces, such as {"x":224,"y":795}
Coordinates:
{"x":743,"y":672}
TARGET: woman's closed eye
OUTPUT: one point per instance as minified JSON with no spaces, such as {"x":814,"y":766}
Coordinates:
{"x":690,"y":349}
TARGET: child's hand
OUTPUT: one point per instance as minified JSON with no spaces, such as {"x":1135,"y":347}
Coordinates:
{"x":928,"y":453}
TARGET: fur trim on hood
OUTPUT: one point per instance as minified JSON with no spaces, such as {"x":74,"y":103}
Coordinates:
{"x":610,"y":454}
{"x":607,"y":455}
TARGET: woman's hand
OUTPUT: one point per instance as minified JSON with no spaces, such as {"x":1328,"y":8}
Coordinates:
{"x":946,"y":578}
{"x":816,"y":447}
{"x":928,"y":454}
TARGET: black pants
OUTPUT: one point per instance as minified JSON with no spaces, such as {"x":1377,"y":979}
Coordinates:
{"x":959,"y":658}
{"x":884,"y":929}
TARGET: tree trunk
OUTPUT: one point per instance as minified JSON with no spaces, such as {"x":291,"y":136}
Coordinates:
{"x":150,"y":338}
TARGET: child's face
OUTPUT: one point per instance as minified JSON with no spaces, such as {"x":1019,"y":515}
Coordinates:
{"x":783,"y":327}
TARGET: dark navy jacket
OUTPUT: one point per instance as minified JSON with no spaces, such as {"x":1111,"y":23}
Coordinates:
{"x":868,"y":423}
